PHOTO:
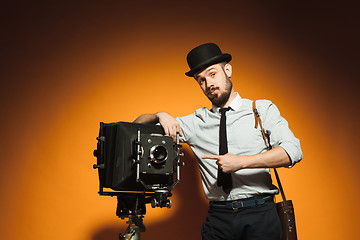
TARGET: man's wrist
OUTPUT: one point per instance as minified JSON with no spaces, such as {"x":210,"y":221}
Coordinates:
{"x":245,"y":162}
{"x":157,"y":116}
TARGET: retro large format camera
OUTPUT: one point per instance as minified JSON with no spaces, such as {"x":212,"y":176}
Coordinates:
{"x":136,"y":157}
{"x":139,"y":164}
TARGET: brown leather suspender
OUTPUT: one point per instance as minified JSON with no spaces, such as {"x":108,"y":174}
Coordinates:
{"x":285,"y":208}
{"x":268,"y":145}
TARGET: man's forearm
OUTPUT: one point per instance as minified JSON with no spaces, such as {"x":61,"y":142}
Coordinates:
{"x":170,"y":125}
{"x":147,"y":118}
{"x":276,"y":157}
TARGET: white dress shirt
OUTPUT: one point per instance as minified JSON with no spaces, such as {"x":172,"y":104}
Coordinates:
{"x":201,"y":133}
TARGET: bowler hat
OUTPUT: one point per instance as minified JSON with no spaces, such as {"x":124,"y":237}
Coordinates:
{"x":204,"y":56}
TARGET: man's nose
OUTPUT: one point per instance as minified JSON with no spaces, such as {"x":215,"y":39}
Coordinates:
{"x":209,"y":82}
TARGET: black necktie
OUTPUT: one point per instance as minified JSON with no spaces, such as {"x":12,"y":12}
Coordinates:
{"x":224,"y":179}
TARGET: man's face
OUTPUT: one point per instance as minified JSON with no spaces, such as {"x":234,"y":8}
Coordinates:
{"x":215,"y":83}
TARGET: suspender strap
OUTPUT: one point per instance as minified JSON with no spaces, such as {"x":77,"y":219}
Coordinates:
{"x":258,"y":122}
{"x":266,"y":137}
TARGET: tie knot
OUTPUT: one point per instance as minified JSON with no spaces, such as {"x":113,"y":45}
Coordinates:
{"x":224,"y":110}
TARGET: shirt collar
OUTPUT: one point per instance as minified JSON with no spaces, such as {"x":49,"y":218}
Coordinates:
{"x":234,"y":105}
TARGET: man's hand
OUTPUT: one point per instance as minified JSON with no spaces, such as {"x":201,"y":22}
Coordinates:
{"x":168,"y":122}
{"x":170,"y":125}
{"x":228,"y":162}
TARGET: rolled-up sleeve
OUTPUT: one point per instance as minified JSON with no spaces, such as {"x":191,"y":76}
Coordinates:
{"x":280,"y":133}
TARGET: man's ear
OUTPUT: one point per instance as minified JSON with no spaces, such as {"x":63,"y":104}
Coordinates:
{"x":228,"y":69}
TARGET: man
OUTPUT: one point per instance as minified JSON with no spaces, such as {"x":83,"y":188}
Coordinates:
{"x":235,"y":171}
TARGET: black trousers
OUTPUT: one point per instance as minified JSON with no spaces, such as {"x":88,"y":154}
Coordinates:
{"x":259,"y":222}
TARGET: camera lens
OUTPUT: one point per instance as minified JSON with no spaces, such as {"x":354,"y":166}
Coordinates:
{"x":158,"y":154}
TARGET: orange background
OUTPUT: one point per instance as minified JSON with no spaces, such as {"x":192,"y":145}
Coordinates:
{"x":67,"y":66}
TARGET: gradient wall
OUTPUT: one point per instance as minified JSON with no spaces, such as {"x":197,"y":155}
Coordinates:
{"x":68,"y":65}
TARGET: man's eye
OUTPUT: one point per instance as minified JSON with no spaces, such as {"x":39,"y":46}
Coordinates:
{"x":212,"y":74}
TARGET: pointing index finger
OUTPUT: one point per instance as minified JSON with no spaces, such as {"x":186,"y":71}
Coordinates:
{"x":215,"y":157}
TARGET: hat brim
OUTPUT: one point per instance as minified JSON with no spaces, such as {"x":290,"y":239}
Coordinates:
{"x":217,"y":59}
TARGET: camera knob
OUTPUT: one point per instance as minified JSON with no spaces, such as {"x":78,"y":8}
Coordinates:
{"x":96,"y":152}
{"x":154,"y":203}
{"x":181,"y":164}
{"x":101,"y":138}
{"x":168,"y":203}
{"x":99,"y":166}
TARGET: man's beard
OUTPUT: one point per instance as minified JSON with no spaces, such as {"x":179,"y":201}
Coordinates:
{"x":224,"y":97}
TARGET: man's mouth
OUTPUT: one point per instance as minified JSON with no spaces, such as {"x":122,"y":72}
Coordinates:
{"x":213,"y":91}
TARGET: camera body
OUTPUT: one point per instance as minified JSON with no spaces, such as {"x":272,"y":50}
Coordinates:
{"x":136,"y":157}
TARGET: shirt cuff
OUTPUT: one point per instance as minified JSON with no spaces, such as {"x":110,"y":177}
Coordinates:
{"x":294,"y":152}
